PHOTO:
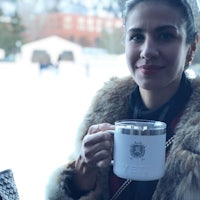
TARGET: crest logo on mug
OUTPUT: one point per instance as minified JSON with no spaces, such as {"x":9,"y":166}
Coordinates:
{"x":137,"y":150}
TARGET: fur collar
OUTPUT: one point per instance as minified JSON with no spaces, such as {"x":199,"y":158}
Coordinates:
{"x":182,"y":177}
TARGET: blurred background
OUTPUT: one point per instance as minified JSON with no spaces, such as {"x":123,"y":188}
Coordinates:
{"x":54,"y":55}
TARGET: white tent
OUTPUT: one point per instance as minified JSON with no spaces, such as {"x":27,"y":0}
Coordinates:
{"x":53,"y":45}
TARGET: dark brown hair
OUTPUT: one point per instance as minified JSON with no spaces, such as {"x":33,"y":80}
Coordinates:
{"x":181,"y":5}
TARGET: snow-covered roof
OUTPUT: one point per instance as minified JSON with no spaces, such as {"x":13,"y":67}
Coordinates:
{"x":53,"y":45}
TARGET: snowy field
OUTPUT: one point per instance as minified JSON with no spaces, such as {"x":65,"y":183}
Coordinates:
{"x":39,"y":115}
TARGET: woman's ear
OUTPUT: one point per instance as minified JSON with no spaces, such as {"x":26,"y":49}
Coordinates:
{"x":191,"y":52}
{"x":194,"y":45}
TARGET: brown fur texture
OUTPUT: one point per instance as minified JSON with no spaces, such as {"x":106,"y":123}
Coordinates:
{"x":182,"y":177}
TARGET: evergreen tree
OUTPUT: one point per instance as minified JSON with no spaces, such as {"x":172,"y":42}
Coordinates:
{"x":11,"y":30}
{"x":112,"y":41}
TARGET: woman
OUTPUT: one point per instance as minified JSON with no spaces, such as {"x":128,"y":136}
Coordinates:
{"x":160,"y":42}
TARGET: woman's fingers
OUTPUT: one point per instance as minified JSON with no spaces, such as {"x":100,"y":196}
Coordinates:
{"x":97,"y":145}
{"x":97,"y":156}
{"x":100,"y":127}
{"x":103,"y":137}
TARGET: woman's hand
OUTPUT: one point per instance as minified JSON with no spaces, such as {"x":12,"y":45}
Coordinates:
{"x":96,"y":151}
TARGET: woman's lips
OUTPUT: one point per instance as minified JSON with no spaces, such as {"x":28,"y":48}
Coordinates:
{"x":150,"y":69}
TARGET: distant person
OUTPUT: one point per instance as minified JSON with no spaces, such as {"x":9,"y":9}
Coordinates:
{"x":8,"y":189}
{"x":87,"y":70}
{"x":45,"y":62}
{"x":160,"y":42}
{"x":59,"y":59}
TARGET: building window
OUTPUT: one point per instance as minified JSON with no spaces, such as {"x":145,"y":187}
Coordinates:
{"x":108,"y":24}
{"x":109,"y":27}
{"x":68,"y":22}
{"x":118,"y":24}
{"x":90,"y":24}
{"x":99,"y":25}
{"x":81,"y":24}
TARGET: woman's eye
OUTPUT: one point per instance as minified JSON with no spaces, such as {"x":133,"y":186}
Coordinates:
{"x":166,"y":36}
{"x":136,"y":37}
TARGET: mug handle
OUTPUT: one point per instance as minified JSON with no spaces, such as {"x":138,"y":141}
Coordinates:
{"x":111,"y":132}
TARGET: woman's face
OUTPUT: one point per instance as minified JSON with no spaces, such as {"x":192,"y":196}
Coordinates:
{"x":155,"y":45}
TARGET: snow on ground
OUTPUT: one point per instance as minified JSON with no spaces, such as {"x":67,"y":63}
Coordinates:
{"x":39,"y":115}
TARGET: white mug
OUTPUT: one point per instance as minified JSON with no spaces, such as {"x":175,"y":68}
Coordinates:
{"x":139,"y":149}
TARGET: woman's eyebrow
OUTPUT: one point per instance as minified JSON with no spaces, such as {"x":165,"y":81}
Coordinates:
{"x":137,"y":30}
{"x":166,"y":27}
{"x":157,"y":29}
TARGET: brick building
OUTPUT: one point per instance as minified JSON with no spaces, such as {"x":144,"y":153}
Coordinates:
{"x":82,"y":29}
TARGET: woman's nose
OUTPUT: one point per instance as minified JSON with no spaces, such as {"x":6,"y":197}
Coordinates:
{"x":149,"y":49}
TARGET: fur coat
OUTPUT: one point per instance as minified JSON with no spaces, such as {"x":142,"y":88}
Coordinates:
{"x":182,"y":176}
